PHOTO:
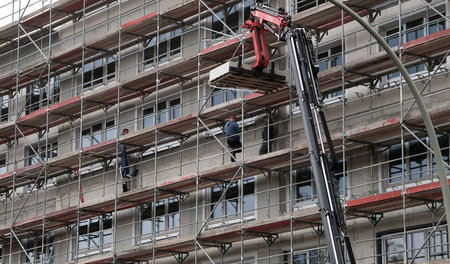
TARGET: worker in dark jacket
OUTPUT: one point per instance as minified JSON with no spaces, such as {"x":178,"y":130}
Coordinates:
{"x":232,"y":131}
{"x":268,"y":133}
{"x":124,"y":166}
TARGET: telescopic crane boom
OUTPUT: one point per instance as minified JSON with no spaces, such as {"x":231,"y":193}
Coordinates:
{"x":265,"y":18}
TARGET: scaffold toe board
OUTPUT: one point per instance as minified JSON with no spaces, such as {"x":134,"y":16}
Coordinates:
{"x":393,"y":200}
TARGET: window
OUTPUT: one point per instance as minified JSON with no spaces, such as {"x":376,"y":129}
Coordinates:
{"x":33,"y":158}
{"x":437,"y":23}
{"x":219,"y":96}
{"x":329,"y":59}
{"x":231,"y":16}
{"x":99,"y":71}
{"x":98,"y":133}
{"x":5,"y":108}
{"x":3,"y":167}
{"x":167,"y":110}
{"x":304,"y":184}
{"x":94,"y":233}
{"x":303,"y":5}
{"x":169,"y":47}
{"x":231,"y":206}
{"x":435,"y":249}
{"x":305,"y":189}
{"x":417,"y":160}
{"x":414,"y":29}
{"x":33,"y":247}
{"x":148,"y":119}
{"x":167,"y":216}
{"x":40,"y":92}
{"x":312,"y":256}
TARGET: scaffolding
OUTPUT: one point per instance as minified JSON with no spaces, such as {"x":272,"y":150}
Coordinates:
{"x":75,"y":74}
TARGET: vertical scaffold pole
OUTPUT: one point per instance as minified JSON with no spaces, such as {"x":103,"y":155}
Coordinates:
{"x":83,"y":55}
{"x":117,"y":176}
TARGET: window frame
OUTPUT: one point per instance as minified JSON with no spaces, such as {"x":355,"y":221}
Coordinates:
{"x":227,"y":14}
{"x":103,"y":227}
{"x":311,"y":4}
{"x":407,"y":27}
{"x":169,"y":109}
{"x":3,"y":165}
{"x":226,"y":204}
{"x":382,"y":246}
{"x":37,"y":94}
{"x":333,"y":52}
{"x":430,"y":170}
{"x":313,"y":197}
{"x":225,"y":95}
{"x":107,"y":131}
{"x":307,"y":256}
{"x":4,"y":111}
{"x":107,"y":70}
{"x":171,"y":41}
{"x":52,"y":152}
{"x":168,"y":220}
{"x":36,"y":249}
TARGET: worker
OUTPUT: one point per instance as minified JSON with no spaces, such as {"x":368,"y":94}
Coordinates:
{"x":232,"y":131}
{"x":267,"y":135}
{"x":124,"y":166}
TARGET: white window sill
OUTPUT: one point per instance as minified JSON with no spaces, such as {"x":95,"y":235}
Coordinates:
{"x":231,"y":222}
{"x":94,"y":252}
{"x":161,"y":237}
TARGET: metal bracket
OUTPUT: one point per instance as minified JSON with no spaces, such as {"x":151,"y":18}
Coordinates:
{"x":375,"y":218}
{"x":10,"y":143}
{"x":318,"y":230}
{"x":270,"y":238}
{"x":373,"y":14}
{"x":319,"y":34}
{"x":180,"y":256}
{"x":223,"y":247}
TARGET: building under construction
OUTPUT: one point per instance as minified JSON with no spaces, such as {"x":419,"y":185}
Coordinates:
{"x":75,"y":74}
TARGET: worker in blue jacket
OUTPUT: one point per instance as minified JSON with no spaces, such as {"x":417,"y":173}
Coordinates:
{"x":124,"y":165}
{"x":232,"y":130}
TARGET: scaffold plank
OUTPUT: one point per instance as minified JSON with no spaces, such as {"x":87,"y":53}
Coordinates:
{"x":376,"y":131}
{"x":377,"y":203}
{"x":393,"y":200}
{"x":108,"y":41}
{"x":374,"y":66}
{"x":327,"y":16}
{"x":427,"y":192}
{"x":212,"y":237}
{"x":41,"y":17}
